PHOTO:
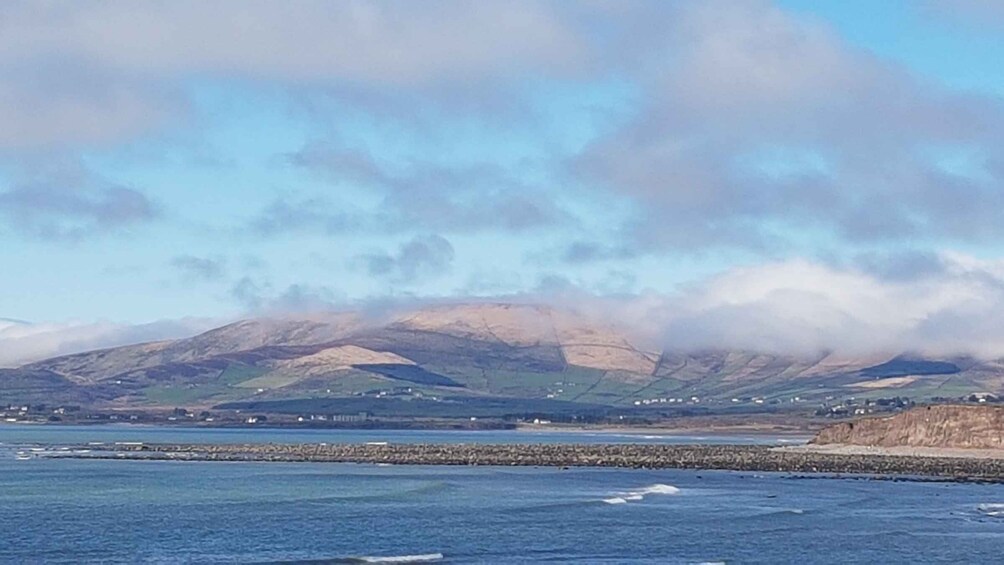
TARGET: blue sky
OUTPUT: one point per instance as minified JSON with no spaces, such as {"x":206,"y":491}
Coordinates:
{"x":182,"y":160}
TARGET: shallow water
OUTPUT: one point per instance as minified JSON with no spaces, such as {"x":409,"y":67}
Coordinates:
{"x":176,"y":512}
{"x":50,"y":434}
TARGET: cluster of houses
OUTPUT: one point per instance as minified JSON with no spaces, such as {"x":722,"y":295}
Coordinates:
{"x":667,"y":400}
{"x":339,"y":418}
{"x":697,"y":400}
{"x":398,"y":392}
{"x":32,"y":412}
{"x":855,"y":407}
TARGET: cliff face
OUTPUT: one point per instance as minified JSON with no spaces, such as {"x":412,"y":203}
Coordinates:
{"x":976,"y":427}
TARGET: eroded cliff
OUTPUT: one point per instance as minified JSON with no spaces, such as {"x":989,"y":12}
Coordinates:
{"x":950,"y":426}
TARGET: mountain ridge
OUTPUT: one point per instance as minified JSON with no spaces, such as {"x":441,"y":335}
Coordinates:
{"x":488,"y":350}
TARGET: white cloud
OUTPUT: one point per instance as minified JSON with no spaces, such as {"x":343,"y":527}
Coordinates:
{"x":22,"y":342}
{"x":94,"y":72}
{"x":799,"y":306}
{"x":796,"y":307}
{"x":760,"y":126}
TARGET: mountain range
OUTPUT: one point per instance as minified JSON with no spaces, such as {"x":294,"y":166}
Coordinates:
{"x":469,"y":359}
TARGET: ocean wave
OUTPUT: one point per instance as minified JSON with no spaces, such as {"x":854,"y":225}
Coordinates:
{"x":421,"y":558}
{"x":659,"y":489}
{"x":640,"y":494}
{"x":781,"y":512}
{"x":995,"y":509}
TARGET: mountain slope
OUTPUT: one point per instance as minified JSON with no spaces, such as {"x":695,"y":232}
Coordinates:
{"x":94,"y":366}
{"x":473,"y":353}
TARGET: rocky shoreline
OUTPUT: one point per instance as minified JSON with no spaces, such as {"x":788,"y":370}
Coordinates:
{"x":638,"y":456}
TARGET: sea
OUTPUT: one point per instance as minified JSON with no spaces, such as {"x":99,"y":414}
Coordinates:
{"x":109,"y":511}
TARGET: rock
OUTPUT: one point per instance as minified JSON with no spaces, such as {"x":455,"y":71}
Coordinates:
{"x":725,"y":457}
{"x":944,"y":426}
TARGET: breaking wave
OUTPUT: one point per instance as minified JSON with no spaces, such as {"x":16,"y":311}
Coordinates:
{"x":640,"y":494}
{"x":422,"y":558}
{"x":659,"y":489}
{"x":995,"y":509}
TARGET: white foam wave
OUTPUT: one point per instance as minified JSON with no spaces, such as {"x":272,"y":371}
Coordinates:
{"x":991,"y":509}
{"x":777,"y":511}
{"x":422,"y":558}
{"x":659,"y":489}
{"x":640,"y":494}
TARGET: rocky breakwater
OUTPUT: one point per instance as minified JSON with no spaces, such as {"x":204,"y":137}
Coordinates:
{"x":943,"y":426}
{"x":726,"y":457}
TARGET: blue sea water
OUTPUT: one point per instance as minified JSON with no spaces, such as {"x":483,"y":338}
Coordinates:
{"x":34,"y":433}
{"x":72,"y":511}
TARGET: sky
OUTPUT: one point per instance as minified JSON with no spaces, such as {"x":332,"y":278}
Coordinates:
{"x":790,"y":175}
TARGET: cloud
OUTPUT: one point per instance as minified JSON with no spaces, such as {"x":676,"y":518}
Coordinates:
{"x":585,"y":251}
{"x":204,"y":268}
{"x":420,"y":257}
{"x":458,"y":198}
{"x":755,"y":126}
{"x":110,"y":70}
{"x":389,"y":42}
{"x":295,"y":214}
{"x":52,"y":102}
{"x":794,"y":307}
{"x":804,"y":307}
{"x":24,"y":342}
{"x":248,"y":293}
{"x":61,"y":199}
{"x":901,"y":266}
{"x":260,"y":298}
{"x":747,"y":128}
{"x":759,"y":128}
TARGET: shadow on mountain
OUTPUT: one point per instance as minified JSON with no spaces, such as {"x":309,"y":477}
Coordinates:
{"x":409,"y":373}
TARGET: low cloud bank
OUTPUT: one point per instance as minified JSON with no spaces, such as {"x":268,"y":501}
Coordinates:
{"x":794,"y":307}
{"x":23,"y":342}
{"x":805,"y":308}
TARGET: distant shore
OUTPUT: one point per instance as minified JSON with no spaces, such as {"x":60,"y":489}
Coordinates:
{"x":697,"y":457}
{"x":666,"y":430}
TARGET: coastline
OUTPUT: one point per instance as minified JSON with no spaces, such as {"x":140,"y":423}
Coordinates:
{"x":730,"y":457}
